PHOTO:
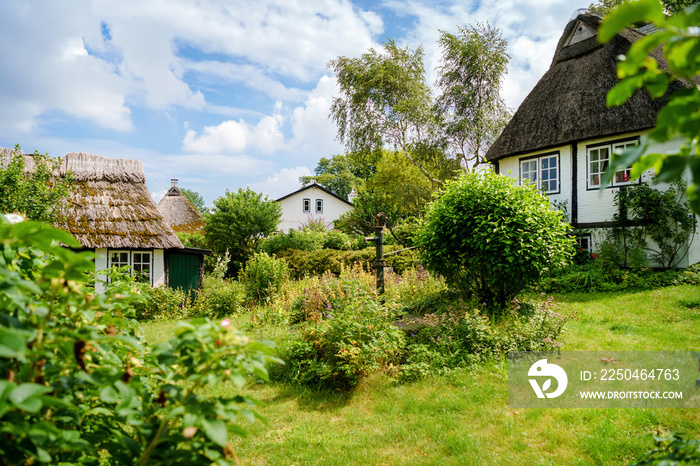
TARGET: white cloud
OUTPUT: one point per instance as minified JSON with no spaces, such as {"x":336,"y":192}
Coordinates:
{"x":237,"y":136}
{"x":282,"y":182}
{"x":314,"y":132}
{"x":229,"y":136}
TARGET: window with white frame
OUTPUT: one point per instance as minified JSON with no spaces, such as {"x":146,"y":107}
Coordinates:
{"x":119,"y":259}
{"x":306,"y":205}
{"x":139,"y":261}
{"x":542,"y":171}
{"x":598,"y":158}
{"x":319,"y":206}
{"x":584,"y":242}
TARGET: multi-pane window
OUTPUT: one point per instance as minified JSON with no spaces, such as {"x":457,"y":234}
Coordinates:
{"x":542,"y":171}
{"x":141,"y":266}
{"x":119,"y":259}
{"x":319,"y":206}
{"x":599,"y":159}
{"x":138,"y":261}
{"x":307,"y":205}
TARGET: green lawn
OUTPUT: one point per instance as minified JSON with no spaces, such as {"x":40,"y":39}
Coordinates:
{"x":464,"y":418}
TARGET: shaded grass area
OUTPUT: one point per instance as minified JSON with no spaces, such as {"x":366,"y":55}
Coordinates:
{"x":464,"y":418}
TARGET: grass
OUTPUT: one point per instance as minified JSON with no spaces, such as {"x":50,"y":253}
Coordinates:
{"x":464,"y":418}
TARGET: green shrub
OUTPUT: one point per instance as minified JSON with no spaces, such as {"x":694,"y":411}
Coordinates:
{"x":162,"y":302}
{"x":263,"y":277}
{"x":342,"y":333}
{"x":601,"y":275}
{"x":327,"y":292}
{"x":671,"y":449}
{"x":302,"y":264}
{"x":346,"y":344}
{"x":336,"y":239}
{"x":415,"y":291}
{"x":218,"y":297}
{"x":462,"y":335}
{"x":489,"y":237}
{"x":294,"y":239}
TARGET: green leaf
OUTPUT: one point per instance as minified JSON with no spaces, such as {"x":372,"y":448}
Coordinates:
{"x":672,"y":168}
{"x":622,"y":91}
{"x":12,"y":345}
{"x":630,"y":13}
{"x":216,"y":431}
{"x":27,"y":396}
{"x":110,"y":395}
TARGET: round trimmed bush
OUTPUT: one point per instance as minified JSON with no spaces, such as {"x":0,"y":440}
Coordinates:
{"x":490,"y":237}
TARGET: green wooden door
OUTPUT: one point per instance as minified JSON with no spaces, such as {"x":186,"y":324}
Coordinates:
{"x":183,"y":272}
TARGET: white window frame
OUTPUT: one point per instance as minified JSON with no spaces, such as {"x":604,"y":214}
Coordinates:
{"x":598,"y":159}
{"x":136,"y":264}
{"x":319,"y":206}
{"x":539,"y":171}
{"x":306,"y":205}
{"x":584,"y":242}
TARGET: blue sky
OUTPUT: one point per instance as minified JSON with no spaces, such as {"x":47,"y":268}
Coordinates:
{"x":222,"y":94}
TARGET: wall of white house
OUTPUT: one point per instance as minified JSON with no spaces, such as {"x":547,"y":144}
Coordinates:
{"x":595,"y":205}
{"x":158,"y":267}
{"x":100,"y":264}
{"x":511,"y":167}
{"x":293,"y":215}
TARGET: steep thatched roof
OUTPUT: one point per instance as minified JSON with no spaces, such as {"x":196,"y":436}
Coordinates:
{"x":179,"y":211}
{"x":568,"y":103}
{"x":111,"y":206}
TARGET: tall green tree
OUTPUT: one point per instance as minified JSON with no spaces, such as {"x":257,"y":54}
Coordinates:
{"x":196,"y":199}
{"x":36,"y":193}
{"x":385,"y":102}
{"x":335,"y":175}
{"x":680,"y":117}
{"x":239,"y":221}
{"x":471,"y":109}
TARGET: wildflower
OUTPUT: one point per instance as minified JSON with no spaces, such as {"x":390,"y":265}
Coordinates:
{"x":226,"y":322}
{"x":330,"y":316}
{"x":412,"y":334}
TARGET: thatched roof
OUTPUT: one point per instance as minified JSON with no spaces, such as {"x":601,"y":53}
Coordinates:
{"x":568,"y":103}
{"x":179,"y":211}
{"x":111,"y":206}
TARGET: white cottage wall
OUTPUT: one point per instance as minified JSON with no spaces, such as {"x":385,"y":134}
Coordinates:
{"x":293,"y":215}
{"x":158,"y":268}
{"x":100,"y":264}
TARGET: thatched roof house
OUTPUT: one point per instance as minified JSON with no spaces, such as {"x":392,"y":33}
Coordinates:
{"x":111,"y":206}
{"x":563,"y":134}
{"x":179,"y":212}
{"x":568,"y":102}
{"x":112,"y":213}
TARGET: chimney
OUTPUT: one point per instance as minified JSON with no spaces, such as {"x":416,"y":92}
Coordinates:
{"x":352,"y":196}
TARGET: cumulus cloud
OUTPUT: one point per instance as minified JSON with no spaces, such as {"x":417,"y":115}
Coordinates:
{"x":314,"y":132}
{"x":282,"y":182}
{"x":237,"y":136}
